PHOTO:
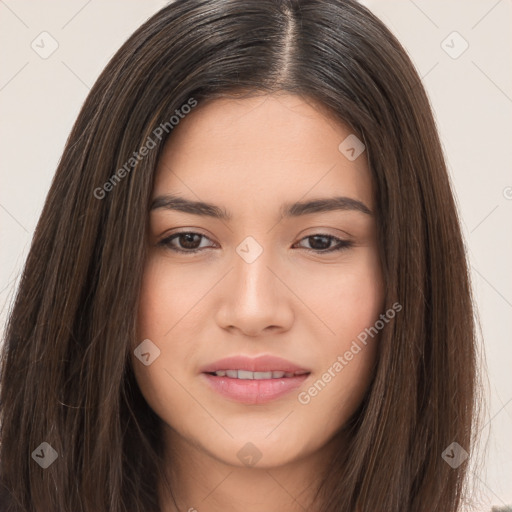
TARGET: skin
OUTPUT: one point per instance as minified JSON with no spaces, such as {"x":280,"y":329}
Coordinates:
{"x":249,"y":156}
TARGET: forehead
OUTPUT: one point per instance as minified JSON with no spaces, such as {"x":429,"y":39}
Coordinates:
{"x":260,"y":150}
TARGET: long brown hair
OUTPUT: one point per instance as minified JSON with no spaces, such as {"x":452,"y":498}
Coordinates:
{"x":66,"y":375}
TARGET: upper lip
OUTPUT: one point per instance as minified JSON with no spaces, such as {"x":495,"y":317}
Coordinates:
{"x":264,"y":363}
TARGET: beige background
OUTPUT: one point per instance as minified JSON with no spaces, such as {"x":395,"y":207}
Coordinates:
{"x":471,"y":96}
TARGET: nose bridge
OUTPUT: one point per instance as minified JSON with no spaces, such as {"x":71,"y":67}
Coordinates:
{"x":252,"y":275}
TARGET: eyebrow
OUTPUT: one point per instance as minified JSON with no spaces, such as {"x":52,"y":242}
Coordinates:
{"x":171,"y":202}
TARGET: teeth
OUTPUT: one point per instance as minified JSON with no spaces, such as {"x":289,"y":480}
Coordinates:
{"x":262,"y":375}
{"x":247,"y":375}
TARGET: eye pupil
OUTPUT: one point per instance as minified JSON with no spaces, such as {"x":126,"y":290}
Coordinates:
{"x":314,"y":245}
{"x":188,"y":237}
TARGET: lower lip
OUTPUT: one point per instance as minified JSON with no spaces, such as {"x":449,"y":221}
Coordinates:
{"x":252,"y":391}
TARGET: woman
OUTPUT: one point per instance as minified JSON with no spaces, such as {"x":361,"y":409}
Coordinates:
{"x":248,"y":288}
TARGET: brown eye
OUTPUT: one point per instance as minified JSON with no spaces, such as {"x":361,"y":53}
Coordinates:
{"x":186,"y":241}
{"x":322,"y":243}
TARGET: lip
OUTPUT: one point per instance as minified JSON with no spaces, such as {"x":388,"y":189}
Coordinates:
{"x":254,"y":391}
{"x":257,"y":391}
{"x":263,"y":363}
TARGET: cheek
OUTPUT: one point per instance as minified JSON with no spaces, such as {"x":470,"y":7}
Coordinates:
{"x":361,"y":301}
{"x":155,"y":317}
{"x":165,"y":311}
{"x":157,"y":313}
{"x":349,"y":297}
{"x":153,"y":302}
{"x":164,"y":299}
{"x":350,"y":303}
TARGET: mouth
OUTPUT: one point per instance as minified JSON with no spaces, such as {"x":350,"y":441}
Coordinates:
{"x":248,"y":375}
{"x":254,"y":381}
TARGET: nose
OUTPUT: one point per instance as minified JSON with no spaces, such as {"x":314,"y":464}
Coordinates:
{"x":255,"y":299}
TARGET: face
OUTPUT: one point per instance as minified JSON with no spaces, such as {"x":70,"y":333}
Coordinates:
{"x":253,"y":285}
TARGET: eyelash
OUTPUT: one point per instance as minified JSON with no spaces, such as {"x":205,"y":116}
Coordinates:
{"x":342,"y":244}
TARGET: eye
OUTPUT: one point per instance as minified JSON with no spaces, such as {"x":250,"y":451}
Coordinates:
{"x":322,"y":243}
{"x":190,"y":242}
{"x":187,"y":240}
